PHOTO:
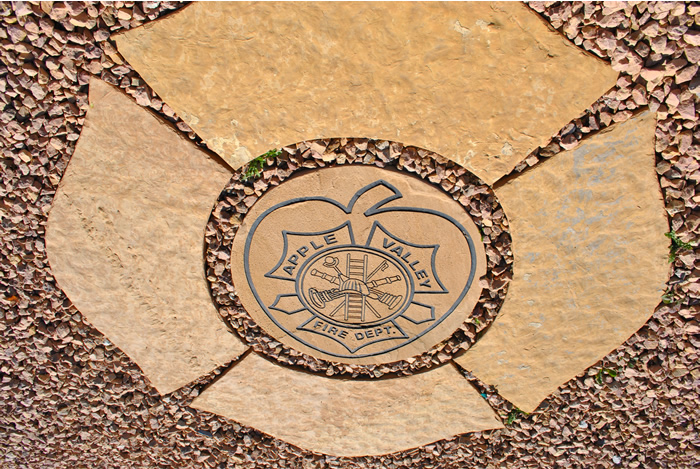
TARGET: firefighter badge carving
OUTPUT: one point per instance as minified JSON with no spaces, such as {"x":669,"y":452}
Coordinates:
{"x":364,"y":266}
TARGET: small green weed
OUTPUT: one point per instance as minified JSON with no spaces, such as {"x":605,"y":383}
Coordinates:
{"x":255,"y":166}
{"x":476,"y":321}
{"x":669,"y":297}
{"x":608,"y":371}
{"x":677,"y":244}
{"x":514,"y":415}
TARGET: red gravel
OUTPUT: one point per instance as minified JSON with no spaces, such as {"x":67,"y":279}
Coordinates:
{"x":69,"y":398}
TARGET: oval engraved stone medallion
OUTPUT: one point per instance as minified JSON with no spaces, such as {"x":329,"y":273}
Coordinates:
{"x":358,"y":264}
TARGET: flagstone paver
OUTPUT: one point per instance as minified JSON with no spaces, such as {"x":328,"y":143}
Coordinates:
{"x":480,"y":83}
{"x":348,"y":417}
{"x":590,"y":263}
{"x":124,"y":240}
{"x":358,"y":264}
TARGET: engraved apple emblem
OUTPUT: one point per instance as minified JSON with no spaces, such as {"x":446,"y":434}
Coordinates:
{"x":372,"y":273}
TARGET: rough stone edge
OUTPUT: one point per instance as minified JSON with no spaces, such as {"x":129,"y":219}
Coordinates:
{"x":97,"y":91}
{"x":220,"y":398}
{"x":480,"y":354}
{"x":236,"y":162}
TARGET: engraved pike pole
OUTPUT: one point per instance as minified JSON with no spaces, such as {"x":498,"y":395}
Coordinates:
{"x":355,"y":286}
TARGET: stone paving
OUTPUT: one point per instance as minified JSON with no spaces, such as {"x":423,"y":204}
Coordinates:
{"x":125,"y":234}
{"x":360,"y":267}
{"x":305,"y":255}
{"x":482,"y":84}
{"x":590,"y":266}
{"x":348,"y":417}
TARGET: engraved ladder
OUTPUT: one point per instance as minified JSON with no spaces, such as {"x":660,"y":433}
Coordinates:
{"x":355,"y":302}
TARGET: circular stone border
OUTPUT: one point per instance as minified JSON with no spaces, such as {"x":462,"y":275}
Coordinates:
{"x":241,"y":193}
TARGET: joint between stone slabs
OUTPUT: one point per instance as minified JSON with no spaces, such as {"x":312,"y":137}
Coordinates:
{"x":488,"y":391}
{"x":201,"y":384}
{"x":541,"y":160}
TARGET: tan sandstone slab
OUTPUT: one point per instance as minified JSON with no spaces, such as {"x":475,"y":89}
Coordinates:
{"x":358,"y":264}
{"x":482,"y":83}
{"x":590,"y":263}
{"x":348,"y":417}
{"x":125,"y":235}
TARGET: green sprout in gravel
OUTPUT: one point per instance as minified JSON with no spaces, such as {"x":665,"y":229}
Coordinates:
{"x":608,"y":371}
{"x":669,"y":297}
{"x":677,"y":244}
{"x":514,"y":415}
{"x":255,"y":167}
{"x":481,"y":231}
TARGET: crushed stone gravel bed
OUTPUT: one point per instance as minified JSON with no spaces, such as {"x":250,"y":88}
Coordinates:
{"x":69,"y":398}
